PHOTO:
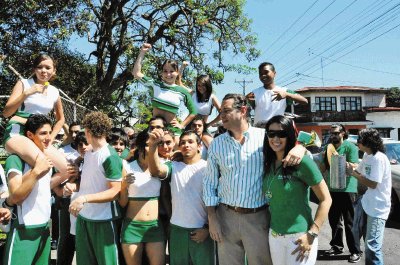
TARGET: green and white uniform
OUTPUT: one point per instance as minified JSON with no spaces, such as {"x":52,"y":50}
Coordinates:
{"x":144,"y":188}
{"x":37,"y":103}
{"x":188,"y":214}
{"x":28,"y":241}
{"x":168,"y":97}
{"x":96,"y":231}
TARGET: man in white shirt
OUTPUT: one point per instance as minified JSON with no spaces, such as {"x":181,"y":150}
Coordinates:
{"x":190,"y":242}
{"x":97,"y":211}
{"x":270,"y":100}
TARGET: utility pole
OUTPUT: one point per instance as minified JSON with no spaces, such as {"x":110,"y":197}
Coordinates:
{"x":243,"y":84}
{"x":322,"y":73}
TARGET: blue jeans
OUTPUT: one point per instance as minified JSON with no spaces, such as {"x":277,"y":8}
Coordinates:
{"x":359,"y":223}
{"x":374,"y":240}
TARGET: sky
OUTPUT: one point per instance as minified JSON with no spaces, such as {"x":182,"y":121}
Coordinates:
{"x":321,"y":43}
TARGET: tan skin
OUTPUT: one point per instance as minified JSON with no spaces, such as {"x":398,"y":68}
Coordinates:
{"x":305,"y":241}
{"x":19,"y":144}
{"x":190,"y":149}
{"x":267,"y":77}
{"x":235,"y":121}
{"x":169,"y":76}
{"x":198,"y":127}
{"x":140,"y":211}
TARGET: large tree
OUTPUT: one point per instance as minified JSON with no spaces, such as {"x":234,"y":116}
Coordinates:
{"x":201,"y":31}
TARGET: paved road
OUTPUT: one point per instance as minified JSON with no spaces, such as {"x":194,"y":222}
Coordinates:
{"x":391,"y":245}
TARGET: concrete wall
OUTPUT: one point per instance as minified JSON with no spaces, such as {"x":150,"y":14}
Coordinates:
{"x":388,"y":119}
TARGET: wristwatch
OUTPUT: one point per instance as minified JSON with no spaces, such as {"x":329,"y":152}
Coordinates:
{"x":313,"y":234}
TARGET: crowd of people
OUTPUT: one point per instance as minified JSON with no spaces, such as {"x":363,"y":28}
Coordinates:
{"x":176,"y":190}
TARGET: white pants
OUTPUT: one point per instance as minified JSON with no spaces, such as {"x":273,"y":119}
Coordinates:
{"x":282,"y":246}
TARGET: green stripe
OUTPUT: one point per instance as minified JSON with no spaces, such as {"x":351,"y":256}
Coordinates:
{"x":143,"y":198}
{"x":162,"y":106}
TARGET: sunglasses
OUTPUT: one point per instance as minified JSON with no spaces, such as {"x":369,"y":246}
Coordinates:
{"x":335,"y":133}
{"x":279,"y":134}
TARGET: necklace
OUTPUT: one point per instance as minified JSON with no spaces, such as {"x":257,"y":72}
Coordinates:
{"x":275,"y":173}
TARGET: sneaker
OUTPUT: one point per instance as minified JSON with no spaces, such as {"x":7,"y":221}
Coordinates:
{"x":354,"y":258}
{"x":333,"y":251}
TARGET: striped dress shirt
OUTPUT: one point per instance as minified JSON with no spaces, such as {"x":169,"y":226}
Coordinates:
{"x":234,"y":171}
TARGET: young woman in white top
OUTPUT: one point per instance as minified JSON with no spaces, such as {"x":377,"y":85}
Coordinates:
{"x":34,"y":96}
{"x":141,"y":230}
{"x":205,"y":100}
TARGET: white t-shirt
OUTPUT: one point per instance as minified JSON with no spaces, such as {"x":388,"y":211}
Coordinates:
{"x":38,"y":103}
{"x":145,"y":186}
{"x":36,"y":208}
{"x":100,"y":167}
{"x":70,"y":153}
{"x":203,"y":108}
{"x":188,"y":208}
{"x":265,"y":107}
{"x":376,"y":202}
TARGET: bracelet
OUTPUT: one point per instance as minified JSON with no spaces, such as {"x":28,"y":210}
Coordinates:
{"x":317,"y":225}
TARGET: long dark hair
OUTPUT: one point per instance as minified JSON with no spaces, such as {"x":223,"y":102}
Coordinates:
{"x":206,"y":80}
{"x":269,"y":154}
{"x":141,"y":141}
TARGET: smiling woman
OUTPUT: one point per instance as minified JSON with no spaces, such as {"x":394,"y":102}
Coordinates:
{"x":34,"y":96}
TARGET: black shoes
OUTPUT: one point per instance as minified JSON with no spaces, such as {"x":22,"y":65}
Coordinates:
{"x":333,"y":251}
{"x":354,"y":258}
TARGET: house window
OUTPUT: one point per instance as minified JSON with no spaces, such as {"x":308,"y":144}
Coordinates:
{"x":350,"y":103}
{"x":384,"y":132}
{"x":325,"y":103}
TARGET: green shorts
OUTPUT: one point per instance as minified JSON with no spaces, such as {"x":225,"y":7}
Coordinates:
{"x":183,"y":250}
{"x":27,"y":245}
{"x":13,"y":128}
{"x":96,"y":242}
{"x":175,"y":130}
{"x":133,"y":232}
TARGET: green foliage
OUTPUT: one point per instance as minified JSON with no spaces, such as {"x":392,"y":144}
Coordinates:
{"x":393,"y":97}
{"x":183,"y":30}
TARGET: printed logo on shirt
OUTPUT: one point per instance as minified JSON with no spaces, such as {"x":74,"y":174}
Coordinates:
{"x":368,"y":170}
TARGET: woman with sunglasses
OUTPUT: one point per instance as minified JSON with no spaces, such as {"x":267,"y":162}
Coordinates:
{"x":293,"y":237}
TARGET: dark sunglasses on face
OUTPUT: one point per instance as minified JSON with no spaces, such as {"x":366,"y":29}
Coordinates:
{"x":279,"y":134}
{"x":358,"y":140}
{"x":335,"y":133}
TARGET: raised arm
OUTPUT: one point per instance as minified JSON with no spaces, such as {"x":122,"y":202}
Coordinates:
{"x":137,"y":69}
{"x":155,"y":167}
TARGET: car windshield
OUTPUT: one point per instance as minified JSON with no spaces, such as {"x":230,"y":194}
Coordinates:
{"x":393,"y":152}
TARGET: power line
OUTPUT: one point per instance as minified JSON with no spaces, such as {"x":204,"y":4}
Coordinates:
{"x":327,"y":39}
{"x":360,"y":67}
{"x":298,"y":32}
{"x":243,"y":83}
{"x":294,"y":23}
{"x":349,"y":36}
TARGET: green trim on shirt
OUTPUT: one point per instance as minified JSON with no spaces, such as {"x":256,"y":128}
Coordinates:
{"x":113,"y":165}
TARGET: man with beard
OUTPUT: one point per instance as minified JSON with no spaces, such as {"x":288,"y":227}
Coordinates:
{"x":342,"y":199}
{"x":270,"y":100}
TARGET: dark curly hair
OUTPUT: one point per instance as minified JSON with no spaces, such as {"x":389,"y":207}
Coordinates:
{"x":371,"y":139}
{"x":141,"y":142}
{"x":97,"y":123}
{"x":118,"y":134}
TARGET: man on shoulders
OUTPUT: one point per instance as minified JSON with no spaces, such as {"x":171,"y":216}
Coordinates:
{"x":270,"y":100}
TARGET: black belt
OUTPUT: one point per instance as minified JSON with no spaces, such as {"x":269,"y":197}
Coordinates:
{"x":244,"y":210}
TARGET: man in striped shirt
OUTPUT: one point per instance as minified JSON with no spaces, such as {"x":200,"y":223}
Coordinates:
{"x":232,"y":192}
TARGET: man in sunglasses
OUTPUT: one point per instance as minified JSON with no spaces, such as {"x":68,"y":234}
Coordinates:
{"x":342,"y":199}
{"x":237,"y":208}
